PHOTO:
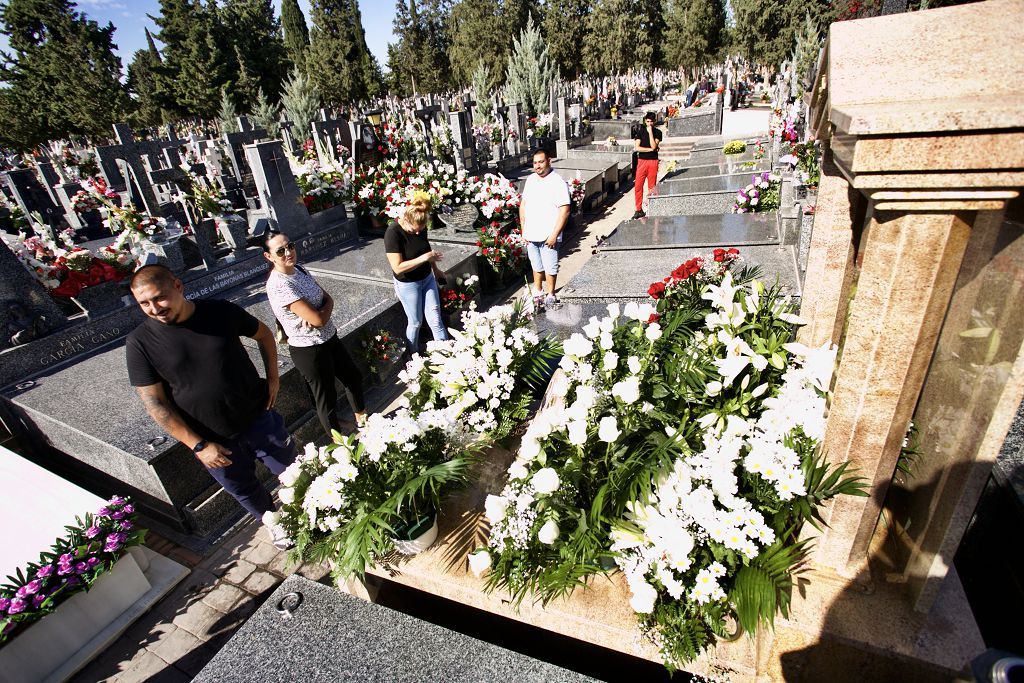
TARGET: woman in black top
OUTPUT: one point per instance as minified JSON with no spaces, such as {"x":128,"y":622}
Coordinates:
{"x":415,"y":269}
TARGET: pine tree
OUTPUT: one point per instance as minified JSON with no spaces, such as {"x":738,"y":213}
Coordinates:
{"x":530,"y":73}
{"x":622,"y":35}
{"x":300,"y":102}
{"x":259,"y":52}
{"x":228,"y":114}
{"x":696,"y":32}
{"x":267,"y":115}
{"x":296,"y":33}
{"x":62,"y":76}
{"x":420,"y":54}
{"x":565,"y":30}
{"x":482,"y":85}
{"x":194,"y":66}
{"x":142,"y":85}
{"x":477,"y":33}
{"x":339,"y":63}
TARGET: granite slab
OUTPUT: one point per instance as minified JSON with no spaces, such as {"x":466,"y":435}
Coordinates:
{"x":670,"y":232}
{"x":729,"y":166}
{"x":718,"y":142}
{"x":721,"y":183}
{"x":569,"y":168}
{"x":620,"y":129}
{"x":333,"y":636}
{"x":715,"y":155}
{"x":366,"y":258}
{"x":621,"y":276}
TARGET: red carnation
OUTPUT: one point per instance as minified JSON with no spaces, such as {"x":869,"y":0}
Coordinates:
{"x":656,"y":290}
{"x":719,"y":255}
{"x":654,"y":318}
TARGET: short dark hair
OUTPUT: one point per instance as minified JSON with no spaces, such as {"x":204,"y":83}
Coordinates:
{"x":650,"y":116}
{"x":268,"y":235}
{"x":153,"y":274}
{"x":542,"y":150}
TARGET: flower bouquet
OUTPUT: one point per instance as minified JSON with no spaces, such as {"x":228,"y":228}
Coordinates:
{"x":83,"y":202}
{"x":682,"y":448}
{"x":577,"y":192}
{"x":380,"y":349}
{"x":762,"y":194}
{"x":455,"y":297}
{"x":74,"y":563}
{"x":350,"y":501}
{"x":485,"y":375}
{"x":207,"y":199}
{"x":503,"y":251}
{"x":322,"y":186}
{"x":734,"y":147}
{"x":758,"y":149}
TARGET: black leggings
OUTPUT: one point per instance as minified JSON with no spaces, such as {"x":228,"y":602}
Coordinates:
{"x":320,"y":365}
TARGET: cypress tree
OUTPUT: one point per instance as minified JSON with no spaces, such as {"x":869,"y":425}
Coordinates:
{"x":420,"y":54}
{"x":477,"y":33}
{"x":765,"y":30}
{"x":530,"y":73}
{"x":622,"y":35}
{"x":339,"y":62}
{"x":482,"y":85}
{"x":296,"y":33}
{"x":565,"y":30}
{"x":142,"y":85}
{"x":259,"y":52}
{"x":62,"y":76}
{"x":267,"y":115}
{"x":194,"y":66}
{"x":696,"y":32}
{"x":228,"y":114}
{"x":301,"y":102}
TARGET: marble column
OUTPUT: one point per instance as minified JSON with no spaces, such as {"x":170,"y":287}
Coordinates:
{"x":908,"y":266}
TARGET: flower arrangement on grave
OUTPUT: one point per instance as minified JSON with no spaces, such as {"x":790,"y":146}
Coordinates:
{"x":323,"y":186}
{"x":496,"y":134}
{"x":539,"y":126}
{"x":808,"y":171}
{"x":734,"y":147}
{"x":83,"y":202}
{"x":73,"y":564}
{"x":682,"y":448}
{"x":762,"y":194}
{"x":379,"y":349}
{"x":126,"y":222}
{"x":672,"y":111}
{"x":441,"y":183}
{"x":458,"y":295}
{"x":309,"y":150}
{"x":484,"y":376}
{"x":496,"y":198}
{"x":512,"y":133}
{"x":612,"y":141}
{"x":79,"y":164}
{"x":577,"y":192}
{"x":207,"y":199}
{"x":349,"y":501}
{"x":758,"y":149}
{"x":502,"y":249}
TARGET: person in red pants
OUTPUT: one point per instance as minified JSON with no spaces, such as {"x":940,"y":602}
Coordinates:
{"x":646,"y":143}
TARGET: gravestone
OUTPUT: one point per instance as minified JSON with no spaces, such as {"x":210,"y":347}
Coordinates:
{"x":333,"y":132}
{"x":461,"y":139}
{"x":27,"y":311}
{"x":461,"y":219}
{"x":673,"y":232}
{"x":277,"y":188}
{"x":31,"y":196}
{"x":236,"y":142}
{"x":710,"y":195}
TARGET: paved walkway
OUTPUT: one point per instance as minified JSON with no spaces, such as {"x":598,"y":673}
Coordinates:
{"x":181,"y":633}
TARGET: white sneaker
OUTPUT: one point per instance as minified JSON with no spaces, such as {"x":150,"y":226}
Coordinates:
{"x":551,"y":301}
{"x":279,"y":537}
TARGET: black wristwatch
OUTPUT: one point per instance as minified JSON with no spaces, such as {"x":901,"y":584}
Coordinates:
{"x":199,"y":446}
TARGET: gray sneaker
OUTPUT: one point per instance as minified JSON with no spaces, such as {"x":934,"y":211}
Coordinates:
{"x":551,"y":301}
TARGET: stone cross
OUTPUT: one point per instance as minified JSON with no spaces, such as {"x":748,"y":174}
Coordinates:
{"x":277,"y":188}
{"x":331,"y":133}
{"x":235,"y":142}
{"x":30,"y":195}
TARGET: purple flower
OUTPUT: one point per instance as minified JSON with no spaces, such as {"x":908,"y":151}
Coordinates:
{"x":117,"y":537}
{"x":111,"y":547}
{"x":117,"y":514}
{"x":33,"y":586}
{"x":43,"y":572}
{"x":37,"y":600}
{"x":129,"y":509}
{"x":126,"y":525}
{"x":17,"y":606}
{"x":81,"y":567}
{"x":66,"y":558}
{"x":4,"y":604}
{"x":103,"y":512}
{"x":73,"y":580}
{"x":93,"y":532}
{"x":92,"y":562}
{"x":116,"y":500}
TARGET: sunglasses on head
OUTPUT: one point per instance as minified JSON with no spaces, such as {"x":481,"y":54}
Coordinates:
{"x":281,"y":250}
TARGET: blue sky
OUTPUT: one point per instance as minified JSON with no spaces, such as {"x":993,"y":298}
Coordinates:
{"x":129,"y":17}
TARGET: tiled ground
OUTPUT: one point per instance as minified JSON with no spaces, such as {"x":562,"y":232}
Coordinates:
{"x":176,"y":639}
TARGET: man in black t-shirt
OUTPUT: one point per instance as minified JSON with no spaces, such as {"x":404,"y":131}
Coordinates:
{"x":196,"y":380}
{"x":646,"y":141}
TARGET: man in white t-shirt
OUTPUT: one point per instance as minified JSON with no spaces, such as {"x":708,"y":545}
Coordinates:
{"x":543,"y":211}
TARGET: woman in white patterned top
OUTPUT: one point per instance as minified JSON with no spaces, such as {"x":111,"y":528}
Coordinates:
{"x":303,"y":310}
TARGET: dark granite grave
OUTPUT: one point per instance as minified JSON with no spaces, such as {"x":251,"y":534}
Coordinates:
{"x":715,"y":155}
{"x":671,"y":232}
{"x":462,"y":218}
{"x":703,"y":120}
{"x":621,"y":129}
{"x":27,"y":311}
{"x":625,"y":275}
{"x":367,"y":259}
{"x":333,"y":636}
{"x":278,"y":189}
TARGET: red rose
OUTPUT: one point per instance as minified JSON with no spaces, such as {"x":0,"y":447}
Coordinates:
{"x":719,"y":255}
{"x":734,"y":252}
{"x":656,"y":290}
{"x":654,"y":318}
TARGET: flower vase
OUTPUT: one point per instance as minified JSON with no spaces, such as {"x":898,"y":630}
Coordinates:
{"x":495,"y":152}
{"x":413,"y":539}
{"x":383,"y":371}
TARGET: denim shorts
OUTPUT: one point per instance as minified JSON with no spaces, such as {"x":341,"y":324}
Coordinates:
{"x":543,"y":259}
